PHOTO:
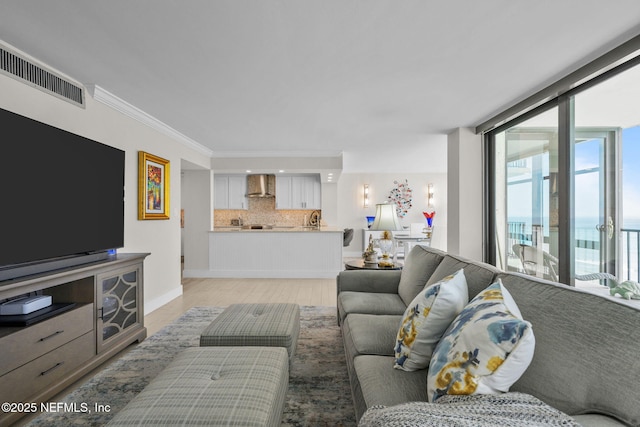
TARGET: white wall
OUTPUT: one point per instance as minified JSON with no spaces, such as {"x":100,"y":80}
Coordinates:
{"x":103,"y":124}
{"x":465,"y":193}
{"x":420,"y":160}
{"x":197,"y":201}
{"x":352,"y":214}
{"x":419,"y":154}
{"x":330,"y":203}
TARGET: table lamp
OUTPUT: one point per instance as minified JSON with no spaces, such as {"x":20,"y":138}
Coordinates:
{"x":386,"y":220}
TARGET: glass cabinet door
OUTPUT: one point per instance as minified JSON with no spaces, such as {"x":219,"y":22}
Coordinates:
{"x":118,"y":303}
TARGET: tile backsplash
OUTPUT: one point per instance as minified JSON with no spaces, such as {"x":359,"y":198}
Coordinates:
{"x":262,"y":211}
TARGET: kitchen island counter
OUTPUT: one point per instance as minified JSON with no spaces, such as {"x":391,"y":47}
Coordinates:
{"x":279,"y":252}
{"x":278,"y":229}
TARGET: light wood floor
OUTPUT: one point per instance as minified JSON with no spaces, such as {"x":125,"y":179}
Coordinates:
{"x":223,"y":292}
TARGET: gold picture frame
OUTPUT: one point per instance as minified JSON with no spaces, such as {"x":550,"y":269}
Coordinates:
{"x":153,"y":186}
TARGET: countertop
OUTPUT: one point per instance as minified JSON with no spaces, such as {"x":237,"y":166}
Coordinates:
{"x":278,"y":229}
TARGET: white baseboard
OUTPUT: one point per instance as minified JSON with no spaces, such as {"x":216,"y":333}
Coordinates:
{"x":351,"y":254}
{"x":262,"y":274}
{"x":195,"y":273}
{"x":156,"y":303}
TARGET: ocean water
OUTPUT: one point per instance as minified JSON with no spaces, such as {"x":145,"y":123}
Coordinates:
{"x":587,"y":254}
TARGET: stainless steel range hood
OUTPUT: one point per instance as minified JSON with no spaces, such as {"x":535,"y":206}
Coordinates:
{"x":261,"y":185}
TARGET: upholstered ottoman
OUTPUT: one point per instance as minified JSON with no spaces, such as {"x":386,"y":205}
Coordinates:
{"x":271,"y":325}
{"x":214,"y":386}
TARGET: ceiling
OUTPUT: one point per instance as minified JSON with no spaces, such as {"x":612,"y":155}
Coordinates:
{"x":302,"y":77}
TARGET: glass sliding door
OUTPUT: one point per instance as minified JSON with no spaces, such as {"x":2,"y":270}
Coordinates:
{"x":606,"y":123}
{"x":629,"y":248}
{"x":595,"y":226}
{"x":526,"y":238}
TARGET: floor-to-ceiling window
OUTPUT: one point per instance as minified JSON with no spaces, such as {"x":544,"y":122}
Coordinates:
{"x":525,"y":161}
{"x":564,"y":186}
{"x":607,"y":189}
{"x":630,"y":231}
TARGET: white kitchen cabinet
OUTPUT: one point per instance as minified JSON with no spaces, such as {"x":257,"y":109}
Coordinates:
{"x":230,"y":192}
{"x":283,"y":192}
{"x":238,"y":192}
{"x":221,"y":192}
{"x":312,"y":192}
{"x":298,"y":192}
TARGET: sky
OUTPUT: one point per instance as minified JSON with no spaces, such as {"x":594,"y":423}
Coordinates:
{"x":631,"y":175}
{"x":587,"y":194}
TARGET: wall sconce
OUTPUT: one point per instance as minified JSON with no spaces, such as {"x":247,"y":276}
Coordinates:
{"x":366,"y":195}
{"x":430,"y":195}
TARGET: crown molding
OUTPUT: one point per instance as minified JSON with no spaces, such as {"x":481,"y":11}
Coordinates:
{"x":283,"y":154}
{"x":105,"y":97}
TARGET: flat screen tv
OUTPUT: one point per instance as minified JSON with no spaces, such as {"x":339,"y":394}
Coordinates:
{"x":62,"y":197}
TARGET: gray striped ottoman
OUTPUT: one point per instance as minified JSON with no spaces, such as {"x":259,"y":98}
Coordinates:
{"x":270,"y":325}
{"x":214,"y":386}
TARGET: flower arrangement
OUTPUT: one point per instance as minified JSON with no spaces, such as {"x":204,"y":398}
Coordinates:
{"x":401,"y":196}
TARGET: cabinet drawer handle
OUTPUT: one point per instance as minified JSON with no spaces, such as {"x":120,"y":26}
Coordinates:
{"x":57,"y":365}
{"x":52,"y":335}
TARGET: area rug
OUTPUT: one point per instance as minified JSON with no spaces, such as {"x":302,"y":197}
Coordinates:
{"x":319,"y":393}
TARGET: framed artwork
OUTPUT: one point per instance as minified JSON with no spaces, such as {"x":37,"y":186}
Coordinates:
{"x":153,"y":187}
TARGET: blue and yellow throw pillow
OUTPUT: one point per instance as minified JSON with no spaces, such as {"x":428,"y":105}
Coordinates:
{"x":485,"y":350}
{"x":426,"y":319}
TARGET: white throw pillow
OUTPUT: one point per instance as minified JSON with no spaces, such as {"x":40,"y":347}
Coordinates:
{"x":426,"y":319}
{"x":485,"y":350}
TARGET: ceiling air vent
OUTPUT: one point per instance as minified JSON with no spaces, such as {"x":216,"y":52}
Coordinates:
{"x":25,"y":70}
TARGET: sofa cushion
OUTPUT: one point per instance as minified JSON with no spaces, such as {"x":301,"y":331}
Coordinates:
{"x":419,"y":265}
{"x":382,"y":281}
{"x":369,"y":303}
{"x":426,"y":319}
{"x":596,"y":420}
{"x":508,"y":409}
{"x":383,"y":385}
{"x":367,"y":333}
{"x":479,"y":275}
{"x":485,"y":350}
{"x":370,"y":334}
{"x":585,"y":344}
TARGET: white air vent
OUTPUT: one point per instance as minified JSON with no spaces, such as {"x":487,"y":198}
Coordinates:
{"x":25,"y":70}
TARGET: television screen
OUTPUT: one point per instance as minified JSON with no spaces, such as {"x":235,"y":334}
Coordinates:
{"x":62,"y":194}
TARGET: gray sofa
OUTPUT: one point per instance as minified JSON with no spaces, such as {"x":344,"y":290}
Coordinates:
{"x":587,"y":354}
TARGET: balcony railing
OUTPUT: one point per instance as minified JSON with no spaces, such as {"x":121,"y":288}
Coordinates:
{"x":630,"y":254}
{"x":588,"y":249}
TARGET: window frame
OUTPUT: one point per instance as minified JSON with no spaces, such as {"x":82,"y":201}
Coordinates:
{"x":561,"y":95}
